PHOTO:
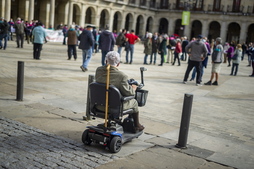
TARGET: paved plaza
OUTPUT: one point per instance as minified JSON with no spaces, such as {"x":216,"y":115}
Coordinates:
{"x":44,"y":130}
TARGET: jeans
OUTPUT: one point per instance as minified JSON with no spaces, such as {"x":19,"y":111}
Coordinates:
{"x":5,"y":37}
{"x":103,"y":56}
{"x":86,"y":54}
{"x":119,"y":50}
{"x":127,"y":53}
{"x":153,"y":59}
{"x":192,"y":64}
{"x":162,"y":58}
{"x":194,"y":73}
{"x":37,"y":50}
{"x":235,"y":66}
{"x":145,"y":59}
{"x":72,"y":50}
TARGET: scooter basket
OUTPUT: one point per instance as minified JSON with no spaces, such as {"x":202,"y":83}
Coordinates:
{"x":141,"y":96}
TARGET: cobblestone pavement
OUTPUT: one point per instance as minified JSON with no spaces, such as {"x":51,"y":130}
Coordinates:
{"x":23,"y":146}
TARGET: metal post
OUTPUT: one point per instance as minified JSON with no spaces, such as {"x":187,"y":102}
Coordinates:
{"x":20,"y":81}
{"x":185,"y":121}
{"x":90,"y":80}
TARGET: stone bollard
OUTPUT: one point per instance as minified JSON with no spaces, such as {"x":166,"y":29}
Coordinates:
{"x":87,"y":117}
{"x":185,"y":121}
{"x":20,"y":81}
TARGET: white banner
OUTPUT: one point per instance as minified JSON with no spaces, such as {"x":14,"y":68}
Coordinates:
{"x":54,"y":35}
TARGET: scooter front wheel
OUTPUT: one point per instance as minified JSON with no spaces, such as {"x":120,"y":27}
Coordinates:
{"x":115,"y":144}
{"x":85,"y":138}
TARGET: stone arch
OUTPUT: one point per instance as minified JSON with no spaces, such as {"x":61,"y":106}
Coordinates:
{"x":128,"y":22}
{"x":117,"y":21}
{"x":214,"y":30}
{"x":149,"y":24}
{"x":90,"y":16}
{"x":76,"y":14}
{"x":233,"y":34}
{"x":196,"y":28}
{"x":139,"y":25}
{"x":250,"y":34}
{"x":178,"y":28}
{"x":104,"y":19}
{"x":163,"y":26}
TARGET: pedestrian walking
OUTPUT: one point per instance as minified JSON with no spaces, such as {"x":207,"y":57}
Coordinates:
{"x":4,"y":27}
{"x":148,"y":47}
{"x":177,"y":51}
{"x":217,"y":59}
{"x":20,"y":31}
{"x":86,"y":43}
{"x":106,"y":43}
{"x":163,"y":48}
{"x":197,"y":52}
{"x":72,"y":35}
{"x":185,"y":42}
{"x":230,"y":53}
{"x":39,"y":35}
{"x":236,"y":59}
{"x":155,"y":45}
{"x":121,"y":41}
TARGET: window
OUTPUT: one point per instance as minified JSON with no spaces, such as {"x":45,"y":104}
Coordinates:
{"x":164,"y":4}
{"x":142,"y":2}
{"x":153,"y":4}
{"x":236,"y":6}
{"x":132,"y":1}
{"x":216,"y":5}
{"x":189,"y":4}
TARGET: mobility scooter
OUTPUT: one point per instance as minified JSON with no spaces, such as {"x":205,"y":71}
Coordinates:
{"x":115,"y":131}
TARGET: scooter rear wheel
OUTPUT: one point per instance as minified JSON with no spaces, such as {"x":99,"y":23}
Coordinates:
{"x":85,"y":137}
{"x":115,"y":144}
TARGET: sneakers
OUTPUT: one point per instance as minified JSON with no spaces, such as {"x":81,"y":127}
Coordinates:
{"x":215,"y":83}
{"x":198,"y":84}
{"x":208,"y":83}
{"x":184,"y":82}
{"x":83,"y":69}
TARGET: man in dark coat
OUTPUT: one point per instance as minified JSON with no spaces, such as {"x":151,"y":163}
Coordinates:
{"x":86,"y":43}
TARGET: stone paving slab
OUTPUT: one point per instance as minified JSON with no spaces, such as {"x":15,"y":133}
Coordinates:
{"x":23,"y":146}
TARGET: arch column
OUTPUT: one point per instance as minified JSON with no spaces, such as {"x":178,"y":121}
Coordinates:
{"x":31,"y":11}
{"x":204,"y":28}
{"x":171,"y":26}
{"x":2,"y":8}
{"x":111,"y":19}
{"x":52,"y":13}
{"x":243,"y":33}
{"x":83,"y":15}
{"x":123,"y":21}
{"x":70,"y":16}
{"x":143,"y":31}
{"x":133,"y":26}
{"x":224,"y":31}
{"x":187,"y":31}
{"x":7,"y":15}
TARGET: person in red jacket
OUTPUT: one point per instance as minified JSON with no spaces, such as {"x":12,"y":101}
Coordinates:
{"x":178,"y":50}
{"x":131,"y":38}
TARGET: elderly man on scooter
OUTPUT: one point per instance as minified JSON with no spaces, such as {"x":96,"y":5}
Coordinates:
{"x":120,"y":81}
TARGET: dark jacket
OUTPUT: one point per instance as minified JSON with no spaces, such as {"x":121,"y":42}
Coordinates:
{"x":4,"y":26}
{"x":86,"y":40}
{"x":120,"y":40}
{"x":106,"y":41}
{"x":19,"y":27}
{"x":163,"y":47}
{"x":184,"y":44}
{"x":155,"y":44}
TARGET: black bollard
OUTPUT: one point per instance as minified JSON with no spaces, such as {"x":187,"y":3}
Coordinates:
{"x":185,"y":122}
{"x":20,"y":81}
{"x":87,"y":117}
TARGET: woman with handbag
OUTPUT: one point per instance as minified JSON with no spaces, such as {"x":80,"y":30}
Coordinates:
{"x":236,"y":59}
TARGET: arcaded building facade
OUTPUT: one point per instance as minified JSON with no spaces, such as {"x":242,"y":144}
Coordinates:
{"x":233,"y":20}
